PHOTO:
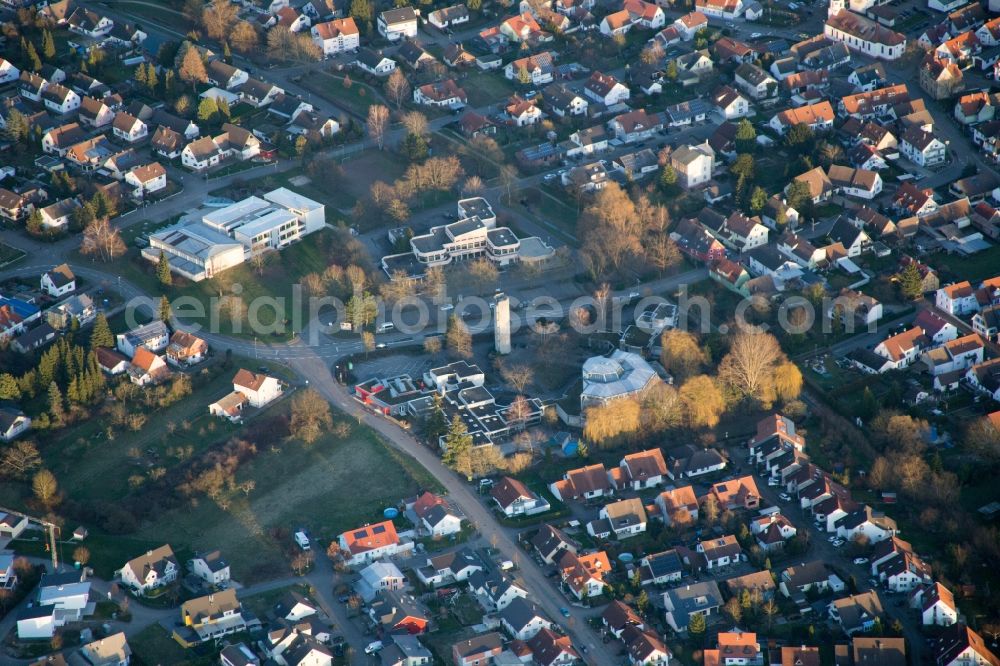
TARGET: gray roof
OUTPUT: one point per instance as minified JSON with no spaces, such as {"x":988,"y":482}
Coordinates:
{"x":694,"y":598}
{"x":520,"y":612}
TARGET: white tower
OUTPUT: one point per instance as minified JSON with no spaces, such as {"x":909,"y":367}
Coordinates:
{"x":501,"y":323}
{"x":836,"y":6}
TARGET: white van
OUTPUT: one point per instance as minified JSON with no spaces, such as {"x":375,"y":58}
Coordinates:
{"x":373,"y":647}
{"x":302,"y":539}
{"x":387,"y":326}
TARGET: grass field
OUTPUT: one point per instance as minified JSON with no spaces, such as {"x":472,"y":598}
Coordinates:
{"x":153,"y":646}
{"x":329,"y":487}
{"x":975,"y":268}
{"x":356,"y":99}
{"x":484,"y":89}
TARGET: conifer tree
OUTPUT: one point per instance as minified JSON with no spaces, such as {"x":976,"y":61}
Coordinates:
{"x":163,"y":270}
{"x":164,"y":309}
{"x":458,"y":448}
{"x":101,"y":335}
{"x":56,"y":407}
{"x":48,"y":45}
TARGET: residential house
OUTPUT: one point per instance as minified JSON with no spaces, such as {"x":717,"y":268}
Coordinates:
{"x":962,"y":646}
{"x":209,"y":618}
{"x":453,"y":567}
{"x":436,"y":516}
{"x":819,"y":117}
{"x":729,"y":103}
{"x":772,"y":531}
{"x":678,"y":506}
{"x":617,"y":616}
{"x":922,"y":147}
{"x":735,"y":648}
{"x":477,"y":650}
{"x":8,"y":72}
{"x":563,"y":102}
{"x":535,"y":69}
{"x":939,"y":78}
{"x":59,"y":281}
{"x":515,"y":499}
{"x":379,"y":577}
{"x":449,"y":16}
{"x":851,"y":182}
{"x":856,"y":613}
{"x":225,"y":76}
{"x":523,"y":28}
{"x":186,"y":349}
{"x":957,"y":299}
{"x":720,"y":9}
{"x":13,"y":423}
{"x":645,"y":647}
{"x":703,"y":598}
{"x":903,"y":348}
{"x":689,"y":461}
{"x":550,"y":649}
{"x":755,"y":82}
{"x":444,"y":93}
{"x":168,"y":143}
{"x":936,"y":605}
{"x":621,"y":519}
{"x":606,"y":89}
{"x":258,"y":93}
{"x":694,"y":164}
{"x":146,"y":179}
{"x":759,"y":583}
{"x":129,"y":128}
{"x":154,"y":336}
{"x":210,"y":567}
{"x":156,"y":568}
{"x":635,"y":126}
{"x":661,"y":568}
{"x":522,"y":619}
{"x":60,"y":99}
{"x":644,"y":469}
{"x":396,"y":612}
{"x":397,"y":24}
{"x":147,"y":368}
{"x":58,"y":140}
{"x":802,"y":578}
{"x":95,"y":113}
{"x":583,"y":483}
{"x":369,"y":543}
{"x":720,"y":552}
{"x":550,"y":542}
{"x":495,"y":591}
{"x":854,"y":240}
{"x":583,"y":575}
{"x":259,"y":389}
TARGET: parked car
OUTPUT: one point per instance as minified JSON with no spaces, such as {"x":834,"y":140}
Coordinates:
{"x":373,"y":647}
{"x":837,"y":543}
{"x":564,"y":611}
{"x":784,"y":497}
{"x":861,"y":560}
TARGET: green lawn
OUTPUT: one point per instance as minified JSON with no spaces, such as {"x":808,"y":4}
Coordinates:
{"x":484,"y":89}
{"x":154,"y":646}
{"x":8,"y":255}
{"x":980,"y":266}
{"x":262,"y":603}
{"x":356,"y":98}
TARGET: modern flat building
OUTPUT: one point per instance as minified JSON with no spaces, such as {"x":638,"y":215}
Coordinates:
{"x":473,"y":236}
{"x":201,"y":245}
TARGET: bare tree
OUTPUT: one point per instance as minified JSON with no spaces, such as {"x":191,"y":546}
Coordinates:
{"x":397,"y":88}
{"x":748,"y":368}
{"x":472,"y":185}
{"x":20,"y":458}
{"x":415,"y":123}
{"x":378,"y":122}
{"x":102,"y":241}
{"x":219,"y":19}
{"x":518,"y":375}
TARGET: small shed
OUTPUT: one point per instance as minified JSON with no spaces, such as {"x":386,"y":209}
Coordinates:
{"x":80,"y":533}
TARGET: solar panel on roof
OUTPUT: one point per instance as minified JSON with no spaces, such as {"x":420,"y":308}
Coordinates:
{"x":378,"y":529}
{"x":360,"y":534}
